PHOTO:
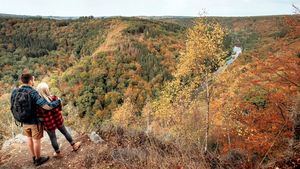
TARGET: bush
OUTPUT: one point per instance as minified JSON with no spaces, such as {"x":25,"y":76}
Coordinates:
{"x":257,"y":97}
{"x":62,"y":23}
{"x":235,"y":159}
{"x":281,"y":33}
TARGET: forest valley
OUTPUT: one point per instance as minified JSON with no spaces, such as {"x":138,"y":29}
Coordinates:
{"x":169,"y":80}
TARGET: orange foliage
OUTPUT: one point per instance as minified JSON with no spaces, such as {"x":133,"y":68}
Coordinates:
{"x":256,"y":102}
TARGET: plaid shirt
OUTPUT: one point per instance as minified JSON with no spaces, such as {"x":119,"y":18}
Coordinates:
{"x":37,"y":101}
{"x":51,"y":119}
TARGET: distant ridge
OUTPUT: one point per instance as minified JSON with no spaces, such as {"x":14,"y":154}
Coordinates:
{"x":2,"y":15}
{"x":165,"y":17}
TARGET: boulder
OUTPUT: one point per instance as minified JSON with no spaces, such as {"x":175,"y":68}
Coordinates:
{"x":19,"y":138}
{"x":6,"y":144}
{"x":95,"y":138}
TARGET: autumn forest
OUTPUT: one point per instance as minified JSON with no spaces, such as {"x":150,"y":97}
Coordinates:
{"x":216,"y":92}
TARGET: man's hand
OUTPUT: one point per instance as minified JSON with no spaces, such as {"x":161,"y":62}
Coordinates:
{"x":58,"y":98}
{"x":46,"y":107}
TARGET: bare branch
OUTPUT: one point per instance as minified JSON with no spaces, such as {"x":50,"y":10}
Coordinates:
{"x":296,"y":9}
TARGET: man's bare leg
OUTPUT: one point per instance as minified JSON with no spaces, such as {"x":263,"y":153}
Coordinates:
{"x":37,"y":148}
{"x":37,"y":151}
{"x":30,"y":146}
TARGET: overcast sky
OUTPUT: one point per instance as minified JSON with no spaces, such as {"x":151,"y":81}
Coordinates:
{"x":147,"y":7}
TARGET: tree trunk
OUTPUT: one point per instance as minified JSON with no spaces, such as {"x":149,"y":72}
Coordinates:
{"x":228,"y":138}
{"x":207,"y":111}
{"x":148,"y":122}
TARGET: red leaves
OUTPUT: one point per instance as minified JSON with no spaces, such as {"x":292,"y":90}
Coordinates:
{"x":256,"y":103}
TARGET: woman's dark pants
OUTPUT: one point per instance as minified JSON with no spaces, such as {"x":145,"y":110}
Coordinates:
{"x":53,"y":138}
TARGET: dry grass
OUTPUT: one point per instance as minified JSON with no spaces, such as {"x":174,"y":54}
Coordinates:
{"x":8,"y":127}
{"x":112,"y":37}
{"x":132,"y":149}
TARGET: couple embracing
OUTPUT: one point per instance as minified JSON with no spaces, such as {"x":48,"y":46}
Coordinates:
{"x":37,"y":110}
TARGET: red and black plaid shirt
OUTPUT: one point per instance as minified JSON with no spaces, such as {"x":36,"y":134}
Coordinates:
{"x":52,"y":119}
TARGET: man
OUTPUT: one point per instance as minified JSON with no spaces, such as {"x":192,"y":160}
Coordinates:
{"x":24,"y":101}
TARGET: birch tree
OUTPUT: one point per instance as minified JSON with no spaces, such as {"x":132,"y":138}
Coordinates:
{"x":203,"y":56}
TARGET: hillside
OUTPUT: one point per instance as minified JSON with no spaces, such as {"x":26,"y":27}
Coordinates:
{"x":120,"y":149}
{"x":122,"y":71}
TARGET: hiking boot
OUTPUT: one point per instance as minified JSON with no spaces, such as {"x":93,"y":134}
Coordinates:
{"x":41,"y":160}
{"x":76,"y":146}
{"x":34,"y":160}
{"x":57,"y":155}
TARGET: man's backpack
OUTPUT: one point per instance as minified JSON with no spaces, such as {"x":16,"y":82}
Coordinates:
{"x":21,"y":106}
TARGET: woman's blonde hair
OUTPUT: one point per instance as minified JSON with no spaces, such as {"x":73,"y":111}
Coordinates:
{"x":43,"y":90}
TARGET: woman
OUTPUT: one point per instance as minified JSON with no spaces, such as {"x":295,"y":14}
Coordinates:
{"x":52,"y":120}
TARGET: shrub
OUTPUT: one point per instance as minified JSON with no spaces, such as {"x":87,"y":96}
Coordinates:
{"x":281,"y":33}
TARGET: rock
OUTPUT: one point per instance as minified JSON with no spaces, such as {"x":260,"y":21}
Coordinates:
{"x":17,"y":139}
{"x":7,"y":144}
{"x":95,"y":138}
{"x":20,"y":138}
{"x":167,"y":137}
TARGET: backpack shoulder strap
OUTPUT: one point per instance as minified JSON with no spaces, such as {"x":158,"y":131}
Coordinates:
{"x":21,"y":124}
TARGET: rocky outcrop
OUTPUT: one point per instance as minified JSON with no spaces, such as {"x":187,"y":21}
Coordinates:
{"x":19,"y":138}
{"x":95,"y":138}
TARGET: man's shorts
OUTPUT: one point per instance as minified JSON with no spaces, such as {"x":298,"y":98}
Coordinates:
{"x":33,"y":130}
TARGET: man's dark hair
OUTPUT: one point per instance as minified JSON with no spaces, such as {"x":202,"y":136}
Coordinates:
{"x":26,"y":77}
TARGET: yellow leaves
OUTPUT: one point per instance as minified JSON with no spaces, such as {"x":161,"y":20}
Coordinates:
{"x":204,"y":43}
{"x":100,"y":113}
{"x":178,"y":108}
{"x":124,"y":115}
